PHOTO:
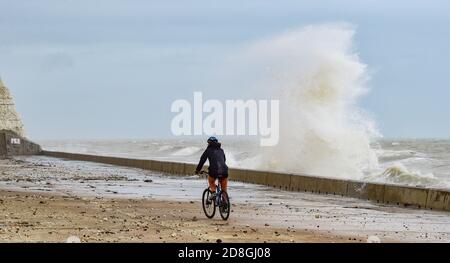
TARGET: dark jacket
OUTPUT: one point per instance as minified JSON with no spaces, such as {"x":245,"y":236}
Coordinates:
{"x":216,"y":158}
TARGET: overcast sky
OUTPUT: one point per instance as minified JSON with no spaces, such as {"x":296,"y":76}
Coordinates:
{"x":110,"y":69}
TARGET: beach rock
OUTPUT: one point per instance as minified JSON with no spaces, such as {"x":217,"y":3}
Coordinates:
{"x":219,"y":240}
{"x":373,"y":239}
{"x":73,"y":239}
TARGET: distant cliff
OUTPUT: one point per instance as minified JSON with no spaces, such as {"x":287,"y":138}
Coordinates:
{"x":9,"y":118}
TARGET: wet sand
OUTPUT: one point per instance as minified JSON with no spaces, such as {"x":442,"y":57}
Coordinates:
{"x":29,"y":217}
{"x":47,"y":200}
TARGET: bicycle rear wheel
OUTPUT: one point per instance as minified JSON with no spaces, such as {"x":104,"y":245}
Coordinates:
{"x":209,"y":206}
{"x":224,"y":206}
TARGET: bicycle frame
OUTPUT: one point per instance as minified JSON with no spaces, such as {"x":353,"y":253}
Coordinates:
{"x":218,"y":188}
{"x":218,"y":192}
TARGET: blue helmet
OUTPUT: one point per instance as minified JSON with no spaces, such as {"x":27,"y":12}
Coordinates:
{"x":212,"y":139}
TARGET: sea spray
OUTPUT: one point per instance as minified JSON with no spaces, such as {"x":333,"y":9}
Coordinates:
{"x":319,"y":79}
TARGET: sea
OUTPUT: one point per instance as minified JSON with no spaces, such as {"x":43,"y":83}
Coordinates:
{"x":412,"y":162}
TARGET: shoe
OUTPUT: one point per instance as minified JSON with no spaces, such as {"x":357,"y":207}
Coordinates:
{"x":212,"y":196}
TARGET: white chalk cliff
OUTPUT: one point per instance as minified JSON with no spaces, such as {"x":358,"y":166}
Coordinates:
{"x":9,"y":118}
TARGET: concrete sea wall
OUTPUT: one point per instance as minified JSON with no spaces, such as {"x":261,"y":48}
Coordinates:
{"x":436,"y":199}
{"x":12,"y":143}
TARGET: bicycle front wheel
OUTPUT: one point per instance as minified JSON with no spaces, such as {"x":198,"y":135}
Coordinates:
{"x":225,"y":206}
{"x":209,"y":206}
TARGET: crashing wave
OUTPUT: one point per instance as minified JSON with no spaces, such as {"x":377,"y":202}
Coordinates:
{"x":399,"y":174}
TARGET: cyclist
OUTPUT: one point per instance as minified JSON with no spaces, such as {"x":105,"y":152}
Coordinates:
{"x":217,"y":167}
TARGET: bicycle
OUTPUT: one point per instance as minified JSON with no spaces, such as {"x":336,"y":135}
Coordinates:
{"x":221,"y":200}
